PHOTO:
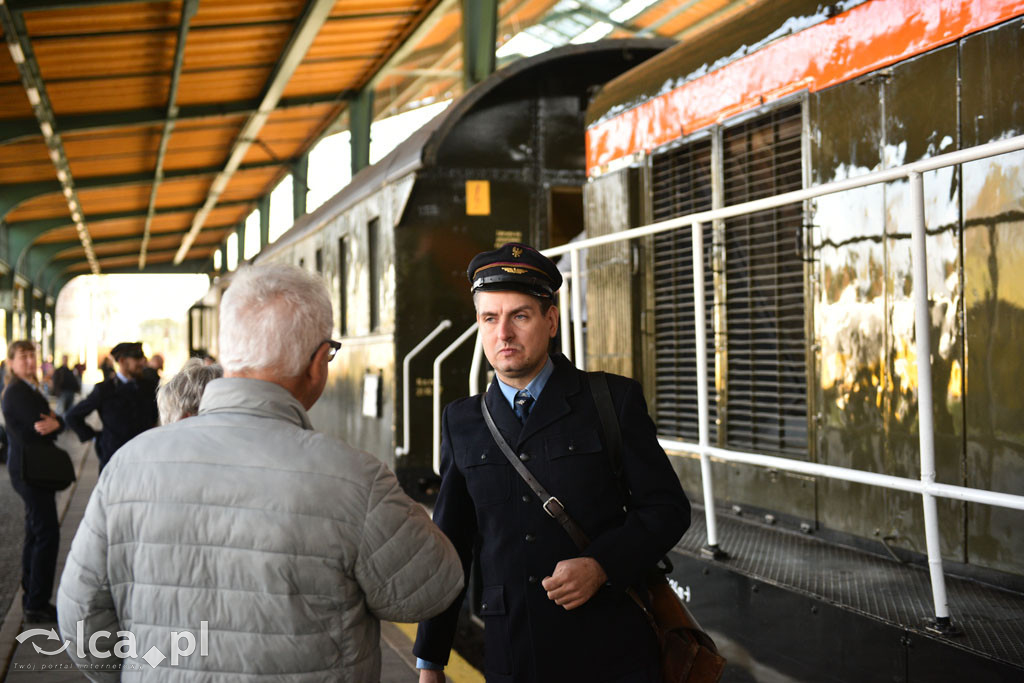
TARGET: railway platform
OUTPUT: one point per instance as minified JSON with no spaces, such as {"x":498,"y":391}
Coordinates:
{"x":22,"y":662}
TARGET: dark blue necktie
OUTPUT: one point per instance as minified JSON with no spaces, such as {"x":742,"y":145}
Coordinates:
{"x":523,"y":403}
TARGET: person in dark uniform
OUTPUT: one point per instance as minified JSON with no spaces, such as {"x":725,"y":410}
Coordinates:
{"x":126,"y":403}
{"x":65,"y":386}
{"x":551,"y":613}
{"x":29,"y":420}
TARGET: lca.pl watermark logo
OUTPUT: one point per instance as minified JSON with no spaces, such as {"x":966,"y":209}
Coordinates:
{"x":182,"y":644}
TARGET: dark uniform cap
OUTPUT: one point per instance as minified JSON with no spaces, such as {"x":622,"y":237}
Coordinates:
{"x":127,"y":349}
{"x":517,"y":267}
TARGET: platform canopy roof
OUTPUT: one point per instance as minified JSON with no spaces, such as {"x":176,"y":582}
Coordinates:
{"x":139,"y":135}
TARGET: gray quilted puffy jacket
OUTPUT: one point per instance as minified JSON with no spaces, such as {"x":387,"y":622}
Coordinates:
{"x":276,"y":548}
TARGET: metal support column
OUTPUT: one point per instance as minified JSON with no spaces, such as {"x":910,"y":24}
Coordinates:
{"x":240,"y":231}
{"x":479,"y":35}
{"x":264,"y":209}
{"x":300,"y":186}
{"x":359,"y":120}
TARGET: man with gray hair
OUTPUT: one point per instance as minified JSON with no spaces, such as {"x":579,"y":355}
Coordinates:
{"x":180,"y":397}
{"x":242,"y":543}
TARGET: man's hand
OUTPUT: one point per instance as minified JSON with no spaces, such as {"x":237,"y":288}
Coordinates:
{"x":47,"y":425}
{"x":432,"y":676}
{"x":574,"y":582}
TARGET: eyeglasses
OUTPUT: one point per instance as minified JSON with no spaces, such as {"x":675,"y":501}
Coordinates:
{"x":331,"y":352}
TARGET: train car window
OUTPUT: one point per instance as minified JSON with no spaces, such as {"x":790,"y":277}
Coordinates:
{"x":343,"y":286}
{"x":320,"y":261}
{"x":681,"y":184}
{"x":373,"y":238}
{"x":765,"y":341}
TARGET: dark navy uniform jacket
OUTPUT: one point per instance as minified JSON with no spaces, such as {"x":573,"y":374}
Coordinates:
{"x":23,"y":406}
{"x":483,"y":501}
{"x":126,"y":409}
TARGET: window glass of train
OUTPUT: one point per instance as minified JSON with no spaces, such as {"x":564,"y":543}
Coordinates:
{"x":282,"y":209}
{"x":343,"y":286}
{"x":231,"y":247}
{"x":251,"y":244}
{"x":320,"y":261}
{"x":373,"y":240}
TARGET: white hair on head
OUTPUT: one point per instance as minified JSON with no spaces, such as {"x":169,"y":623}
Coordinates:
{"x":180,"y":397}
{"x":274,"y":318}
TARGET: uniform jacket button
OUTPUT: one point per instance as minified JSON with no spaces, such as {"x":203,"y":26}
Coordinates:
{"x":532,"y":579}
{"x":572,"y":447}
{"x":526,"y":499}
{"x":524,"y":457}
{"x":483,"y":607}
{"x":530,"y":538}
{"x":483,"y":456}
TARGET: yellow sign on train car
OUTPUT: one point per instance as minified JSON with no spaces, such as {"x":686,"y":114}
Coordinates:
{"x":478,"y":198}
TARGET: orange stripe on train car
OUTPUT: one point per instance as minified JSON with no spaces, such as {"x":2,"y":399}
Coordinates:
{"x":868,"y":37}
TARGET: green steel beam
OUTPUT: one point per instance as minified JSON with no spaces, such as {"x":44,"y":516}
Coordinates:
{"x":188,"y":10}
{"x":16,"y":130}
{"x":27,"y":5}
{"x":479,"y":35}
{"x":300,"y":188}
{"x":360,"y":118}
{"x":15,"y":193}
{"x":264,"y":209}
{"x":21,"y":234}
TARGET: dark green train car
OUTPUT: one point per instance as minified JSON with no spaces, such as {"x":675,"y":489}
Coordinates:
{"x":504,"y":162}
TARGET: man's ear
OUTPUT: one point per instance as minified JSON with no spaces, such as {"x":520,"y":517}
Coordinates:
{"x":552,"y":316}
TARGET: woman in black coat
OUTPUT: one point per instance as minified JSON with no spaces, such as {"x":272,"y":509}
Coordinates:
{"x":29,"y":419}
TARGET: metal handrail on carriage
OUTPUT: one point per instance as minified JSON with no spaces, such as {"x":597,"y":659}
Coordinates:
{"x":926,"y":485}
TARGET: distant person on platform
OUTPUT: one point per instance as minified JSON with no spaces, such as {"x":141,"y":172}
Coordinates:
{"x":279,"y":547}
{"x":107,"y":367}
{"x":65,"y":386}
{"x":126,"y":404}
{"x":180,"y":396}
{"x":29,"y":420}
{"x":154,"y":366}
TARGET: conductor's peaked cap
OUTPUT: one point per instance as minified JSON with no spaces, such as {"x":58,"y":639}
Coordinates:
{"x":516,"y":267}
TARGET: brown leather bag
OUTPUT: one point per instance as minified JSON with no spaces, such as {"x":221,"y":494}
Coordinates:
{"x":688,"y":655}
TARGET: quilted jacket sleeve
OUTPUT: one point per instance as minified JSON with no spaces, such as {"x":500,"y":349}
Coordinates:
{"x":407,"y":568}
{"x":84,"y":597}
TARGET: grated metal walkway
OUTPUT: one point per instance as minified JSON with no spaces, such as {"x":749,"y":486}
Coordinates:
{"x":992,"y":619}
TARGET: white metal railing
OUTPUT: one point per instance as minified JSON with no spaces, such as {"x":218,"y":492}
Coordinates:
{"x":441,"y":327}
{"x":926,"y":485}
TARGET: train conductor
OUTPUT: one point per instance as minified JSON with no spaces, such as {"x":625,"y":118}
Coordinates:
{"x":551,"y":612}
{"x":126,"y":403}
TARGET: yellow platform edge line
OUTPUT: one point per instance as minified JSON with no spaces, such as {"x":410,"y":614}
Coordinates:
{"x":458,"y":669}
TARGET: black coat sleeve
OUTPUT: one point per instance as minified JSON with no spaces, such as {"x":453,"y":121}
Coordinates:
{"x":76,"y":416}
{"x":23,"y":406}
{"x":658,"y":512}
{"x":455,"y":515}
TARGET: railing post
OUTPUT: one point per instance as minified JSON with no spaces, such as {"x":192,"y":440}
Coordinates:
{"x":579,"y":357}
{"x":922,"y":325}
{"x":711,"y":549}
{"x":443,"y":325}
{"x":437,"y":392}
{"x":564,"y":306}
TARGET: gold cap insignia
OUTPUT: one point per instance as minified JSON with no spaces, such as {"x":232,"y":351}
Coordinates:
{"x":516,"y":252}
{"x":514,"y":271}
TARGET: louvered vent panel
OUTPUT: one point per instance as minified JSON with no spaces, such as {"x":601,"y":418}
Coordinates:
{"x":767,"y":376}
{"x":682,"y":185}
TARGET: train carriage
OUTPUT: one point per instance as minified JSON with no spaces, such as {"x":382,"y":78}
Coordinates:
{"x":504,"y":162}
{"x":810,"y":320}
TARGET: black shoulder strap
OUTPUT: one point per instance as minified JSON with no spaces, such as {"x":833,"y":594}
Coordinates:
{"x":551,"y":505}
{"x":609,"y":421}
